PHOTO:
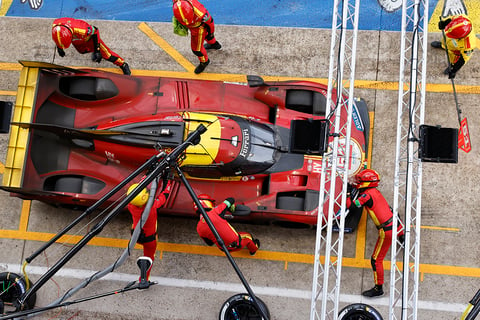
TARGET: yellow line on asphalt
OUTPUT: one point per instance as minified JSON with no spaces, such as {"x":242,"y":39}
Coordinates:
{"x":371,"y":115}
{"x":285,"y":257}
{"x":24,"y":215}
{"x":359,"y":84}
{"x":10,"y":66}
{"x":166,"y":46}
{"x":440,"y":228}
{"x":361,"y":236}
{"x":7,"y":93}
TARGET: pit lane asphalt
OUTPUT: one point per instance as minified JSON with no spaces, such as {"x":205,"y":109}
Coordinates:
{"x":194,"y":279}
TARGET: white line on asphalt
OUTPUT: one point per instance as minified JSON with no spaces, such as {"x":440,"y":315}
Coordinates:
{"x":227,"y":287}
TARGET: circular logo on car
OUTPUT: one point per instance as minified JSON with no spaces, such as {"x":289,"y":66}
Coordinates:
{"x":356,"y":156}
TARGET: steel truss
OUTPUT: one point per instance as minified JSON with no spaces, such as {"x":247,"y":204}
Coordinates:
{"x":408,"y":166}
{"x":335,"y":163}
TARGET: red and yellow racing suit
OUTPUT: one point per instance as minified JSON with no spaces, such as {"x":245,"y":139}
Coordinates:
{"x":148,"y":235}
{"x":460,"y":50}
{"x":234,"y":241}
{"x":83,"y":39}
{"x":381,"y":214}
{"x":201,"y":29}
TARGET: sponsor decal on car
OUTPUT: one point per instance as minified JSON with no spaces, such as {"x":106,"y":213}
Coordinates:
{"x":356,"y":119}
{"x":356,"y":156}
{"x":245,"y":143}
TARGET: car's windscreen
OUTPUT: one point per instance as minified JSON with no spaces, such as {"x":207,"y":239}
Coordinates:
{"x":256,"y":156}
{"x":262,"y":144}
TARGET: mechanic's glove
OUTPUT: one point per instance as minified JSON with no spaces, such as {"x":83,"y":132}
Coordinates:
{"x":97,"y":57}
{"x":232,"y":208}
{"x":357,"y":203}
{"x":61,"y":52}
{"x":229,"y":202}
{"x":443,"y":23}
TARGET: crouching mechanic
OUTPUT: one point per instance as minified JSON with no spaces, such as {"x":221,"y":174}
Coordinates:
{"x":148,"y":235}
{"x":381,"y":214}
{"x":234,"y":241}
{"x":85,"y":38}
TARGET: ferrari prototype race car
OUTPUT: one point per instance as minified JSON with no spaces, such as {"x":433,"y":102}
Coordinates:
{"x":76,"y":133}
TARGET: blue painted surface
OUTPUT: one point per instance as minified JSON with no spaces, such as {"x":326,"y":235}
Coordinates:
{"x":278,"y":13}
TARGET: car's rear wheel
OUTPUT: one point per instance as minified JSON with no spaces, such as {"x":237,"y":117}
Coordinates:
{"x":241,"y":306}
{"x":290,"y":203}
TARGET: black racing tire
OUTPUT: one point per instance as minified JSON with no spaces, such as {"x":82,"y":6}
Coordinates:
{"x":290,"y":203}
{"x":72,"y":184}
{"x":359,"y":311}
{"x":241,"y":210}
{"x":242,"y":307}
{"x":13,"y":287}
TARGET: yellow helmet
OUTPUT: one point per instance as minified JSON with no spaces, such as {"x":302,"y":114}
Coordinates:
{"x":141,"y":198}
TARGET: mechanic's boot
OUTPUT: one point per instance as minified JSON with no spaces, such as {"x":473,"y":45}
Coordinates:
{"x":257,"y":243}
{"x":376,"y":291}
{"x":145,"y":265}
{"x":215,"y":46}
{"x":436,"y":44}
{"x":126,"y":69}
{"x":201,"y":66}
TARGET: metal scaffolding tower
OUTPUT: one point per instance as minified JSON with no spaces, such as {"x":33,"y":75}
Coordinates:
{"x":335,"y":163}
{"x":408,"y":165}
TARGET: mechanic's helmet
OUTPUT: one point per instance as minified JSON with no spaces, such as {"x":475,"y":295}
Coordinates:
{"x":62,"y":36}
{"x":458,"y":28}
{"x":183,"y":12}
{"x":206,"y":201}
{"x":367,"y":178}
{"x":141,"y":198}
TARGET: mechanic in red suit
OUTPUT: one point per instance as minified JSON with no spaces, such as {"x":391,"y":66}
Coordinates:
{"x":193,"y":15}
{"x":148,"y":235}
{"x":85,"y":38}
{"x":381,"y":214}
{"x":234,"y":241}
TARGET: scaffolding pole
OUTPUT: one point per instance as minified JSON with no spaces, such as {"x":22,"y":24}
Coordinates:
{"x":335,"y":163}
{"x":408,"y":165}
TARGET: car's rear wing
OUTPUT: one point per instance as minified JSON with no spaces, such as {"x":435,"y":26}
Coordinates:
{"x":23,"y":113}
{"x":18,"y":140}
{"x":49,"y":66}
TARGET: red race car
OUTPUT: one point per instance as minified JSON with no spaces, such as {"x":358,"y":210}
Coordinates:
{"x":76,"y":133}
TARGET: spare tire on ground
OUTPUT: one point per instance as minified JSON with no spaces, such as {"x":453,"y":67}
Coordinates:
{"x":12,"y":287}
